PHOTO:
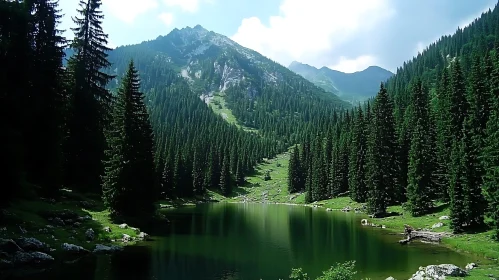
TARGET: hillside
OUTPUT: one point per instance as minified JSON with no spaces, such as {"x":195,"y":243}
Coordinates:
{"x":352,"y":87}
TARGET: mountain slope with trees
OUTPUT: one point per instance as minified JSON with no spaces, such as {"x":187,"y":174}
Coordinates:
{"x":429,"y":136}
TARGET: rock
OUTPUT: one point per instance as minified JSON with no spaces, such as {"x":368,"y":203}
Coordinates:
{"x":74,"y":249}
{"x":77,"y":224}
{"x":5,"y":264}
{"x":390,"y":278}
{"x":9,"y":246}
{"x":123,"y":226}
{"x":126,"y":238}
{"x":444,"y":218}
{"x":383,"y":226}
{"x":32,"y":244}
{"x":84,"y":218}
{"x":346,"y":209}
{"x":58,"y":221}
{"x":23,"y":258}
{"x":135,"y":229}
{"x":90,"y":234}
{"x":470,"y":266}
{"x":329,"y":209}
{"x":144,"y":236}
{"x":437,"y":225}
{"x":438,"y":272}
{"x":107,"y":229}
{"x":364,"y":222}
{"x":102,"y":249}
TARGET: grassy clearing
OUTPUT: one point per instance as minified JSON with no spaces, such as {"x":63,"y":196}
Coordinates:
{"x":28,"y":218}
{"x":219,"y":106}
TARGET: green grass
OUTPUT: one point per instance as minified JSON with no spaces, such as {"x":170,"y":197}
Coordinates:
{"x":219,"y":106}
{"x":29,"y":215}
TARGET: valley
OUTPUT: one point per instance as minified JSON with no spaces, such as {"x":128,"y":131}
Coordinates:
{"x":192,"y":156}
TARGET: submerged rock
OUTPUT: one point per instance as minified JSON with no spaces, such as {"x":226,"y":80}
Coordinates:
{"x":74,"y":249}
{"x":103,"y":249}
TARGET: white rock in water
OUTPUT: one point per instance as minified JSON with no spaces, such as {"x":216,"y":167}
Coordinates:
{"x":123,"y":226}
{"x":329,"y":209}
{"x":390,"y":278}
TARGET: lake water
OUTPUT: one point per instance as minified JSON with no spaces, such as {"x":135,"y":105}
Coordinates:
{"x":259,"y":241}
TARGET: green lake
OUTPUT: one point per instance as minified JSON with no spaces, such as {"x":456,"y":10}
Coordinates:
{"x":259,"y":241}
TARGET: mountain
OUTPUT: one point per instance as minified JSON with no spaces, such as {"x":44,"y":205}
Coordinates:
{"x":213,"y":63}
{"x":352,"y":87}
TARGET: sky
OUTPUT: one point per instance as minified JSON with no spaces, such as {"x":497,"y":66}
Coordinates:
{"x":345,"y":35}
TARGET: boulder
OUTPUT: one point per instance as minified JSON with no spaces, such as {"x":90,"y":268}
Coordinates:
{"x":438,"y":272}
{"x":444,"y":218}
{"x":26,"y":258}
{"x":144,"y":236}
{"x":390,"y":278}
{"x":90,"y":234}
{"x":102,"y":249}
{"x":126,"y":238}
{"x":346,"y":209}
{"x":107,"y":229}
{"x":32,"y":244}
{"x":135,"y":229}
{"x":9,"y":246}
{"x":329,"y":209}
{"x":84,"y":218}
{"x":470,"y":266}
{"x":74,"y":249}
{"x":437,"y":225}
{"x":364,"y":222}
{"x":123,"y":226}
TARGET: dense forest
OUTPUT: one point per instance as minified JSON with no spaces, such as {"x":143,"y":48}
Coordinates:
{"x":429,"y":136}
{"x":124,"y":123}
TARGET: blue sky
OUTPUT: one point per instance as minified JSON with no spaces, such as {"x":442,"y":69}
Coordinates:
{"x":346,"y":35}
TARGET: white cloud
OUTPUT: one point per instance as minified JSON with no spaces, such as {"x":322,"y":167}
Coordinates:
{"x":128,"y":10}
{"x":356,"y":64}
{"x":166,"y":18}
{"x":311,"y":28}
{"x":190,"y":6}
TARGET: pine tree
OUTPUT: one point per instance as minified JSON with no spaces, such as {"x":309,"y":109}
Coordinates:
{"x":225,"y":179}
{"x":239,"y":174}
{"x":357,"y":186}
{"x":420,"y":183}
{"x":197,"y":174}
{"x":456,"y":190}
{"x":294,"y":172}
{"x":381,"y":165}
{"x":444,"y":137}
{"x":490,"y":163}
{"x":89,"y":99}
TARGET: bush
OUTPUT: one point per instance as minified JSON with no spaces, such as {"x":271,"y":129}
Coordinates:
{"x":339,"y":271}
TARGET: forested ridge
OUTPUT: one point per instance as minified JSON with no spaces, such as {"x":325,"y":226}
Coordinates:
{"x":430,"y":135}
{"x":125,"y":124}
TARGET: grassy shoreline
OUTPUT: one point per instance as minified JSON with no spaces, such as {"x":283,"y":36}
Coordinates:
{"x":258,"y":190}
